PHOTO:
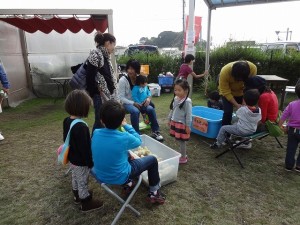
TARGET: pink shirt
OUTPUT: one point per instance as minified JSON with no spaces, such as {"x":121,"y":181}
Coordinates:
{"x":185,"y":70}
{"x":291,"y":113}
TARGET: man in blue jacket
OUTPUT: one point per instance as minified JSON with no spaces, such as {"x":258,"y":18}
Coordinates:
{"x":5,"y":88}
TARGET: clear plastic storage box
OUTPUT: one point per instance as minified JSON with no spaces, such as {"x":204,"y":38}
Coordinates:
{"x":168,"y":160}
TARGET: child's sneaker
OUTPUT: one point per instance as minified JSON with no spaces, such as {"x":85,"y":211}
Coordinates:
{"x":89,"y":204}
{"x":183,"y":160}
{"x":146,"y":118}
{"x":158,"y":198}
{"x":215,"y":146}
{"x":288,"y":169}
{"x":297,"y":169}
{"x":1,"y":137}
{"x":246,"y":145}
{"x":76,"y":198}
{"x":127,"y":189}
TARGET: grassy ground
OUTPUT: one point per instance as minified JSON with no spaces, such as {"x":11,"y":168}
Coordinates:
{"x":34,"y":189}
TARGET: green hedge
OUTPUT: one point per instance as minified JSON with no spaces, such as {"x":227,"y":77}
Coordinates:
{"x":274,"y":63}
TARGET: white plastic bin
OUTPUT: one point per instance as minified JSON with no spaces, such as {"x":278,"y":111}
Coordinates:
{"x":155,"y":89}
{"x":168,"y":166}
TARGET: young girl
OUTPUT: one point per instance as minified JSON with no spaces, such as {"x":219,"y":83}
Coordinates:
{"x":180,"y":116}
{"x":291,"y":113}
{"x":77,"y":105}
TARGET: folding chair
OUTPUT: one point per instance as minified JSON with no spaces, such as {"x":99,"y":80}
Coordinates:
{"x":125,"y":203}
{"x":231,"y":141}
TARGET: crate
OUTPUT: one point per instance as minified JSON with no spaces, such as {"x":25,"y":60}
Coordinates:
{"x":166,"y":81}
{"x":206,"y":121}
{"x":154,"y":89}
{"x":167,"y":166}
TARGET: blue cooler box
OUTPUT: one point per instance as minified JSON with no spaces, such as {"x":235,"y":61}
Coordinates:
{"x":213,"y":117}
{"x":165,"y":81}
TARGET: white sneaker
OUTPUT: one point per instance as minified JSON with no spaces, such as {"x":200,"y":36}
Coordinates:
{"x":245,"y":145}
{"x":1,"y":137}
{"x":157,"y":136}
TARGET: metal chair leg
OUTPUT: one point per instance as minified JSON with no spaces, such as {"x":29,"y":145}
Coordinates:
{"x":222,"y":153}
{"x":279,"y":142}
{"x":238,"y":159}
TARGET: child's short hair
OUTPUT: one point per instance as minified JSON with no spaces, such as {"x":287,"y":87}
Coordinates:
{"x":78,"y":103}
{"x":297,"y":90}
{"x":112,"y":114}
{"x":188,"y":58}
{"x":251,"y":97}
{"x":214,"y":95}
{"x":141,"y":79}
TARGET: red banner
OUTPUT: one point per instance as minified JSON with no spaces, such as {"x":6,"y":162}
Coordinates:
{"x":197,"y":28}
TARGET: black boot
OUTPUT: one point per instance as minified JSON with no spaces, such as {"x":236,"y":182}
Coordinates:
{"x":89,"y":204}
{"x":76,"y":197}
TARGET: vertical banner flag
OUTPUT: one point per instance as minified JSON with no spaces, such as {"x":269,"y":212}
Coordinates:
{"x":197,"y":28}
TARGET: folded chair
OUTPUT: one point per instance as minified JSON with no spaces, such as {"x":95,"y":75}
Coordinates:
{"x":125,"y":203}
{"x":232,"y":144}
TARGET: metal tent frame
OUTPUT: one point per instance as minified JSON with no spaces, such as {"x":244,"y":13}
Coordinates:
{"x":62,"y":12}
{"x":214,"y":4}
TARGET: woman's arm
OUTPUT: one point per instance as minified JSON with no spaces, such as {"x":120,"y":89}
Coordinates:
{"x":90,"y":77}
{"x":123,"y":85}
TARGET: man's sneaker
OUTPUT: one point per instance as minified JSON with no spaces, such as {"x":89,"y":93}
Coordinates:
{"x":244,"y":145}
{"x":215,"y":146}
{"x":89,"y":204}
{"x":1,"y":137}
{"x":158,"y":198}
{"x":157,"y":136}
{"x":183,"y":160}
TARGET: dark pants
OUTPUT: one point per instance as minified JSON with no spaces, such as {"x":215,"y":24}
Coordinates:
{"x":97,"y":106}
{"x":228,"y":109}
{"x":292,"y":145}
{"x":150,"y":164}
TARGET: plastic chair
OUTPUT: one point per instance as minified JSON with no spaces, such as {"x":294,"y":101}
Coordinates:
{"x":125,"y":203}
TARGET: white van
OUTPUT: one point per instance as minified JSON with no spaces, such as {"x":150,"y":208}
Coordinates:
{"x":285,"y":47}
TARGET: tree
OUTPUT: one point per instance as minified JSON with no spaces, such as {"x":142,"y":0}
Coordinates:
{"x":165,"y":39}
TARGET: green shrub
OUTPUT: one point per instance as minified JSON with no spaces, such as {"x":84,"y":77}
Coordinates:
{"x":274,"y":63}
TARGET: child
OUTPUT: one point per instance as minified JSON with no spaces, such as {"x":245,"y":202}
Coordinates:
{"x":77,"y":105}
{"x":140,"y":95}
{"x":112,"y":162}
{"x":185,"y":68}
{"x":291,"y":113}
{"x":214,"y":100}
{"x":248,"y":118}
{"x":180,"y":116}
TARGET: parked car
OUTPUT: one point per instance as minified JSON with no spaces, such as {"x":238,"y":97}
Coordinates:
{"x":141,"y":48}
{"x":284,"y":47}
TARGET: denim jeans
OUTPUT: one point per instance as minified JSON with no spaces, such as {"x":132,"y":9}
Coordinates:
{"x":150,"y":164}
{"x":228,"y":109}
{"x":135,"y":115}
{"x":97,"y":105}
{"x":292,"y":145}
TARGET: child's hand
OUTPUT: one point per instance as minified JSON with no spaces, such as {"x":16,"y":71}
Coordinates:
{"x":131,"y":157}
{"x":188,"y":130}
{"x":124,"y":122}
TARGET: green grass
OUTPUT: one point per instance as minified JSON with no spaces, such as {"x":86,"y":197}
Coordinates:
{"x":34,"y":189}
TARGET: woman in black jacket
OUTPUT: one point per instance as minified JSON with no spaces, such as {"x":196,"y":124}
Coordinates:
{"x":101,"y":82}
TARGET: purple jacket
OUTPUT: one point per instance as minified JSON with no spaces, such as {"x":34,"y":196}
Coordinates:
{"x":291,"y":113}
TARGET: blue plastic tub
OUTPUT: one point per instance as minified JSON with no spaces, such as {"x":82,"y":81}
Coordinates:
{"x":206,"y":121}
{"x":166,"y":81}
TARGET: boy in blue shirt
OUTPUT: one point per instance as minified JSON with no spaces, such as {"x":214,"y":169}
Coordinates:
{"x":112,"y":161}
{"x":140,"y":93}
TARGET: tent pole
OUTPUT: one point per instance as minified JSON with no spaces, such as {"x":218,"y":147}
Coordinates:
{"x":26,"y":61}
{"x":208,"y":39}
{"x":113,"y":57}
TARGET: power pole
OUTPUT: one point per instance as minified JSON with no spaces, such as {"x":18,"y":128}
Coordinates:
{"x":183,"y":25}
